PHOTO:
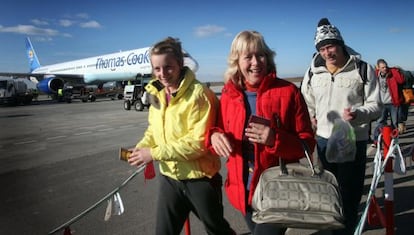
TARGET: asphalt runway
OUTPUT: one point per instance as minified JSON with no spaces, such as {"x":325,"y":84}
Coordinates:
{"x":59,"y":159}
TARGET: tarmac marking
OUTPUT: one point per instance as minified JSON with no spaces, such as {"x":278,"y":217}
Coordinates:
{"x":107,"y":129}
{"x":25,"y":142}
{"x":98,"y":126}
{"x":56,"y":137}
{"x":126,"y":126}
{"x":83,"y":133}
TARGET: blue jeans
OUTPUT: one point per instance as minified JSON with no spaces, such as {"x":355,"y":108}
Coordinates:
{"x":350,"y":177}
{"x":388,"y":110}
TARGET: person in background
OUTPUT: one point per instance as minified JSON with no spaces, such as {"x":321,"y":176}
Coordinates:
{"x":336,"y":89}
{"x":253,"y":88}
{"x":403,"y":111}
{"x":181,"y":112}
{"x":390,"y":82}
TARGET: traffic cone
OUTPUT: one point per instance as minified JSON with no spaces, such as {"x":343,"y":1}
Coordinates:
{"x":375,"y":215}
{"x":67,"y":231}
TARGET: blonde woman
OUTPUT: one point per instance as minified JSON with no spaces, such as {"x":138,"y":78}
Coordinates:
{"x":279,"y":122}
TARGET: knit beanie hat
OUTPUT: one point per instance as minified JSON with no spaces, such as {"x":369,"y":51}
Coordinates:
{"x":327,"y":34}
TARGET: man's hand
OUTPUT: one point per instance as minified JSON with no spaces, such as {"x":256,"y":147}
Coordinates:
{"x":349,"y":114}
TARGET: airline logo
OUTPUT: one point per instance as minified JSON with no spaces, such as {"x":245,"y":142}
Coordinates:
{"x":120,"y":61}
{"x":30,"y":54}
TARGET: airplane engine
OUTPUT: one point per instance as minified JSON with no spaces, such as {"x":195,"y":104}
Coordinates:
{"x":50,"y":85}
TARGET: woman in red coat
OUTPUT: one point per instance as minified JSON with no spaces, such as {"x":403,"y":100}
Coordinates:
{"x":250,"y":146}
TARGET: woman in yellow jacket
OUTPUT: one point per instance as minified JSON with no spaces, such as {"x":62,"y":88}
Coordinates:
{"x":181,"y":112}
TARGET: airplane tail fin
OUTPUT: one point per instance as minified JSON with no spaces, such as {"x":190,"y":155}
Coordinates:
{"x":31,"y":55}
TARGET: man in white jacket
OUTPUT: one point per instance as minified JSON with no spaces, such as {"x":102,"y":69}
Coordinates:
{"x":334,"y":88}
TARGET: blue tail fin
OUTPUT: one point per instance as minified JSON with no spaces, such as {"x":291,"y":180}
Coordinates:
{"x":31,"y":56}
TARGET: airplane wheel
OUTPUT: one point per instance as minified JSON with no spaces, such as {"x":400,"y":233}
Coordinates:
{"x":139,"y":106}
{"x":127,"y":105}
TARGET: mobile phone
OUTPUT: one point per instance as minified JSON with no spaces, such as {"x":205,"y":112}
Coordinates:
{"x":260,"y":120}
{"x":124,"y":154}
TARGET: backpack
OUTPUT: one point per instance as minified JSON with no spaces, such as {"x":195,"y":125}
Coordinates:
{"x":408,"y":77}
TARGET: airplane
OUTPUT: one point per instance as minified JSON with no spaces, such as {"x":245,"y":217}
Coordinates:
{"x":120,"y":66}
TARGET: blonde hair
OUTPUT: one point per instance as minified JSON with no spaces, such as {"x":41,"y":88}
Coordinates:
{"x":171,"y":46}
{"x":248,"y":40}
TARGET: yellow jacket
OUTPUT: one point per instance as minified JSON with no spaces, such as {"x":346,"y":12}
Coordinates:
{"x":176,"y":132}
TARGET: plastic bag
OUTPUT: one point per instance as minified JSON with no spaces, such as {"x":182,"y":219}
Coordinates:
{"x":341,"y":146}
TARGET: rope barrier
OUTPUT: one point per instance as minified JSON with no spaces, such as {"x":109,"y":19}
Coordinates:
{"x":378,"y":170}
{"x":76,"y":218}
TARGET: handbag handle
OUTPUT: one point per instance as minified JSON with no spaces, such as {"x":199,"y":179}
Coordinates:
{"x":282,"y":163}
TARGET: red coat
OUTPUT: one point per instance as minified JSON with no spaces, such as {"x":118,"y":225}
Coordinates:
{"x":394,"y":82}
{"x":275,"y":98}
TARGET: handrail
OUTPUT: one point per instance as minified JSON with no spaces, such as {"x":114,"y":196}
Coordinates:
{"x":79,"y":216}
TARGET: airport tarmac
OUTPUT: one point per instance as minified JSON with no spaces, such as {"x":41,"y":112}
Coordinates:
{"x":58,"y":159}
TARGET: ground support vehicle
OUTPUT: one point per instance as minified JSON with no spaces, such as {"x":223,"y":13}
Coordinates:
{"x":14,"y":91}
{"x":136,"y":96}
{"x":86,"y":94}
{"x":114,"y":93}
{"x":70,"y":92}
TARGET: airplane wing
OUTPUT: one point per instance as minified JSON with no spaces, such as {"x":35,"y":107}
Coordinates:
{"x":15,"y":75}
{"x":40,"y":76}
{"x":47,"y":83}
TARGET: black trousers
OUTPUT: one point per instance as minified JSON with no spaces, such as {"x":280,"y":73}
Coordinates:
{"x":350,"y":177}
{"x":403,"y":113}
{"x":203,"y":197}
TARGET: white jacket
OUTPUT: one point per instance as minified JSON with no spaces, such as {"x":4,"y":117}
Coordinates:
{"x":328,"y":95}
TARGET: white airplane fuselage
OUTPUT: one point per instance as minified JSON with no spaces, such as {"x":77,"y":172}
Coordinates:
{"x":121,"y":66}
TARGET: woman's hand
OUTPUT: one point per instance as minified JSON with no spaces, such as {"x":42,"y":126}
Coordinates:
{"x":221,"y":144}
{"x":261,"y":134}
{"x":140,"y":156}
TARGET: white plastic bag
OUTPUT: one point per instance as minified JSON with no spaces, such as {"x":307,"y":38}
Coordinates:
{"x":341,"y":146}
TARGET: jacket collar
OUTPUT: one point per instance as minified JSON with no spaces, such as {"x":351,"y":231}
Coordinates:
{"x":234,"y":91}
{"x":155,"y":86}
{"x":318,"y":64}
